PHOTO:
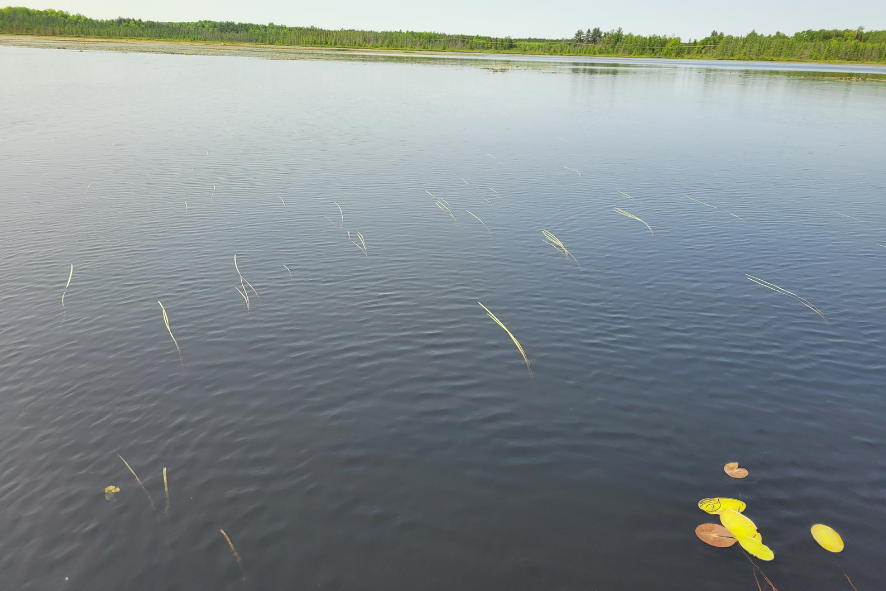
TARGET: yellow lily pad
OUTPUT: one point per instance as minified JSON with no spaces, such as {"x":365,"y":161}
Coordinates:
{"x":737,"y":524}
{"x":827,"y":538}
{"x":756,"y":548}
{"x":715,"y":505}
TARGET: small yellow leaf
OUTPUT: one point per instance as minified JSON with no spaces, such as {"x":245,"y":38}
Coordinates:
{"x":827,"y":538}
{"x":756,"y":547}
{"x":716,"y":505}
{"x":110,"y":491}
{"x":737,"y":524}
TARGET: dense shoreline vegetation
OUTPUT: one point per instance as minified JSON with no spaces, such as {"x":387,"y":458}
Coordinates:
{"x":823,"y":45}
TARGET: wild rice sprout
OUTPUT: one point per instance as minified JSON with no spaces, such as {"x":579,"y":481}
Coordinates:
{"x":442,"y":204}
{"x":362,"y":245}
{"x":166,"y":320}
{"x":513,"y":338}
{"x":137,"y":479}
{"x":243,"y":279}
{"x":213,"y":192}
{"x":555,"y":242}
{"x":702,"y":202}
{"x":290,"y":271}
{"x":71,"y":274}
{"x":494,"y":191}
{"x":712,"y":206}
{"x":626,"y":195}
{"x":778,"y":289}
{"x":481,"y":221}
{"x":572,"y":169}
{"x":849,"y":216}
{"x":281,"y":199}
{"x":166,"y":488}
{"x":236,"y":555}
{"x":633,"y":217}
{"x":244,"y":295}
{"x":86,"y":194}
{"x":342,"y":216}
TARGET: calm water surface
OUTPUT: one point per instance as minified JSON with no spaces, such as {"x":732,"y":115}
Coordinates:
{"x":364,"y":425}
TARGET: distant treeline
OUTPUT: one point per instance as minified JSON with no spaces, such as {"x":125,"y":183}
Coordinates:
{"x":824,"y":45}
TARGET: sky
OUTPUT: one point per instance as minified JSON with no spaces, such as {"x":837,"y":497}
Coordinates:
{"x":517,"y":18}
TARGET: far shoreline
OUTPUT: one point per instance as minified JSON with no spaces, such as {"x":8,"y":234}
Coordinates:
{"x":279,"y":52}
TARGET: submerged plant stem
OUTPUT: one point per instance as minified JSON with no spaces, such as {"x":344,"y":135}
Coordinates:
{"x":166,"y":489}
{"x":236,"y":555}
{"x":137,"y":479}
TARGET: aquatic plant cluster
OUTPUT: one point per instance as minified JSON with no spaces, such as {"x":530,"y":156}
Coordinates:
{"x":855,"y":45}
{"x":736,"y":527}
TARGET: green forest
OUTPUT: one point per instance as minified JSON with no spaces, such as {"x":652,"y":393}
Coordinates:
{"x":849,"y":45}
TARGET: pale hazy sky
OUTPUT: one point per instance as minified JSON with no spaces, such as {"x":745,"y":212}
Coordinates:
{"x":517,"y":18}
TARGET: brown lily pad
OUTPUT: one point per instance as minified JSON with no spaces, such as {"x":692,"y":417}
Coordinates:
{"x":715,"y":535}
{"x":734,"y":471}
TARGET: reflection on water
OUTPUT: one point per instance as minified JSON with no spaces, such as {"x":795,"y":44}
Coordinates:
{"x":353,"y":418}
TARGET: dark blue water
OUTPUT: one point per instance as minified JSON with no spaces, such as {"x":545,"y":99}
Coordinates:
{"x":364,"y":424}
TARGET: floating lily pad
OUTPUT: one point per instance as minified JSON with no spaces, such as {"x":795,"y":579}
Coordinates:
{"x":110,"y":491}
{"x":715,"y":505}
{"x":756,"y":547}
{"x":827,"y":538}
{"x":739,"y":525}
{"x":734,"y":471}
{"x":715,"y":535}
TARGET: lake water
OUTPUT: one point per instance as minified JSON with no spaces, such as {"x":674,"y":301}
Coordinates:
{"x":364,"y":424}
